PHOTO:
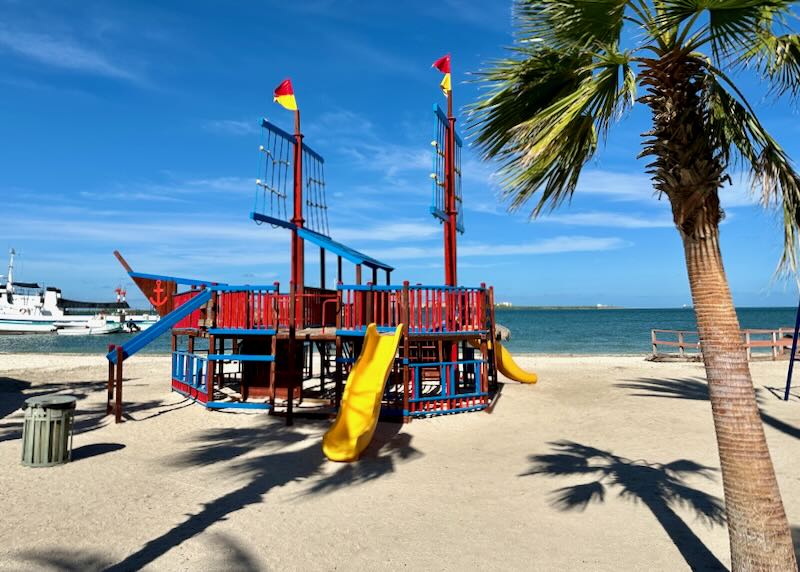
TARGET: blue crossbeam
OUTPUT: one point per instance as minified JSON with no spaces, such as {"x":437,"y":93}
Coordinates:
{"x":236,"y":405}
{"x":240,"y":332}
{"x":163,"y":325}
{"x":240,"y":357}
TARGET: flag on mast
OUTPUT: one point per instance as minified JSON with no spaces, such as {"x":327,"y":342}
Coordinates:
{"x":443,"y":65}
{"x":284,"y":95}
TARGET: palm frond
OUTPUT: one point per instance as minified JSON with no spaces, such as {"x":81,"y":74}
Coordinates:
{"x":732,"y":26}
{"x":735,"y":126}
{"x":567,"y":24}
{"x":521,"y":87}
{"x":544,"y":117}
{"x":777,"y":57}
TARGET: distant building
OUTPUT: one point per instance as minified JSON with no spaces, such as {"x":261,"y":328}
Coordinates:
{"x":504,"y":304}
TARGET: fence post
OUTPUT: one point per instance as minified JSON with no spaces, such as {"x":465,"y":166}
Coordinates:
{"x":110,"y":388}
{"x":118,"y":396}
{"x":369,"y":318}
{"x":681,"y":342}
{"x":406,"y":350}
{"x":337,"y":393}
{"x":654,"y":341}
{"x":747,"y":343}
{"x":292,"y":356}
{"x":774,"y":345}
{"x":273,"y":365}
{"x":493,"y":338}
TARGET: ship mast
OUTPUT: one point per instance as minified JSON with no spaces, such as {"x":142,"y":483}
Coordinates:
{"x":10,"y":276}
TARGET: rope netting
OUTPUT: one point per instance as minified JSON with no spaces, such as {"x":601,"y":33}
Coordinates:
{"x":438,"y":205}
{"x":438,"y":174}
{"x":459,"y":197}
{"x":276,"y":182}
{"x":316,"y":205}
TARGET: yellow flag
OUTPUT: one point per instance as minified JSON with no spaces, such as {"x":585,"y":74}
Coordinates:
{"x":284,"y":95}
{"x":445,"y":85}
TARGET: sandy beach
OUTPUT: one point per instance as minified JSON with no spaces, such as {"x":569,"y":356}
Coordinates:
{"x":608,"y":463}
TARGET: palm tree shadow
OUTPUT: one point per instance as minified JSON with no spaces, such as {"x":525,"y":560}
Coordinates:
{"x":229,"y":554}
{"x":696,"y":389}
{"x":660,"y":487}
{"x":268,"y":455}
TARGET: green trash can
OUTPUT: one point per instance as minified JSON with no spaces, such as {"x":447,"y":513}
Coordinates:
{"x":47,"y":430}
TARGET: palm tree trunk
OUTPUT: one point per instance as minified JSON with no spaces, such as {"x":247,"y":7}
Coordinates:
{"x":759,"y":532}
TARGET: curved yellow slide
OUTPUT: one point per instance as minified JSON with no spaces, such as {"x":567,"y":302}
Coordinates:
{"x":361,"y":404}
{"x":505,"y":364}
{"x":508,"y":367}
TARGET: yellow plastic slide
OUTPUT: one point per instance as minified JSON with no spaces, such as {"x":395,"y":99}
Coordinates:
{"x":509,"y":368}
{"x":361,"y":404}
{"x":506,"y":365}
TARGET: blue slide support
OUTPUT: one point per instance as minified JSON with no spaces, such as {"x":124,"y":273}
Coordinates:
{"x":163,"y":325}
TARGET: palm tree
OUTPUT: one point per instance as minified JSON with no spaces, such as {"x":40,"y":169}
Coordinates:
{"x":574,"y":70}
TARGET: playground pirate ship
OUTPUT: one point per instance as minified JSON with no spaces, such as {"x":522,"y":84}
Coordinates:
{"x":293,"y":351}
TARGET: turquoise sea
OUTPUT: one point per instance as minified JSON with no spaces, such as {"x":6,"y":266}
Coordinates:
{"x":617,"y":331}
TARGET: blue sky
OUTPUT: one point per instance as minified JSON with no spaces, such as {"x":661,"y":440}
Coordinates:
{"x":135,"y":126}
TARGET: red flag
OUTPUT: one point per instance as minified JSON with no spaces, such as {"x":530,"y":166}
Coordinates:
{"x":284,"y":95}
{"x":443,"y":64}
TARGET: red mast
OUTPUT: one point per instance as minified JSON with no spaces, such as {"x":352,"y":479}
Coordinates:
{"x":450,"y":226}
{"x":298,"y":250}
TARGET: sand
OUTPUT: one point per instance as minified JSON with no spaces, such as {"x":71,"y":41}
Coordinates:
{"x":609,"y":463}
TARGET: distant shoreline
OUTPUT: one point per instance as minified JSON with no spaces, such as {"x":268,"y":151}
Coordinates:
{"x":501,"y":307}
{"x":513,"y":308}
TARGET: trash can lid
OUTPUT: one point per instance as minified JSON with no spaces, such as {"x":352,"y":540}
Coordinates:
{"x":51,"y":402}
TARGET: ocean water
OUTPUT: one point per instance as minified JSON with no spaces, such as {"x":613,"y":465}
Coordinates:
{"x":623,"y":331}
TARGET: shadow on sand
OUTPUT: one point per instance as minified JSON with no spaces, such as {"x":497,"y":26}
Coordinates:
{"x":14,"y":392}
{"x":95,"y":449}
{"x":229,"y":554}
{"x":270,"y":455}
{"x":695,"y":388}
{"x":660,"y":487}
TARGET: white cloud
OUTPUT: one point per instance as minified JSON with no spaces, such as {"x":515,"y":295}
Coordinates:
{"x":609,"y":219}
{"x":342,"y":121}
{"x":555,"y":245}
{"x":174,"y":192}
{"x":231,"y":184}
{"x":638,"y":187}
{"x":63,"y":53}
{"x":615,"y":185}
{"x":738,"y":194}
{"x":365,"y":55}
{"x":231,"y":127}
{"x":139,"y":230}
{"x":391,"y":232}
{"x":388,"y":158}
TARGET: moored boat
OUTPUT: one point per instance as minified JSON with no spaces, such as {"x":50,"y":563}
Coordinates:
{"x":29,"y":308}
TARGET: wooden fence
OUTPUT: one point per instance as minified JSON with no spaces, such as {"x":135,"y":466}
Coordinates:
{"x":759,"y":343}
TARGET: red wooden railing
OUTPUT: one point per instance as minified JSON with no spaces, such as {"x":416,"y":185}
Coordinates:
{"x":193,"y":319}
{"x":265,"y":308}
{"x":431,"y":309}
{"x":246,"y":309}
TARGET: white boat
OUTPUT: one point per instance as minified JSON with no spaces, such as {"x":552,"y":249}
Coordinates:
{"x":28,"y":308}
{"x":25,"y":327}
{"x":92,"y":328}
